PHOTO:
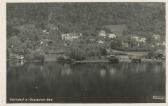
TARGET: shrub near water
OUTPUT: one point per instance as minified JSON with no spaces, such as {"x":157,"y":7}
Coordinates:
{"x":37,"y":54}
{"x":77,"y":54}
{"x":87,"y":51}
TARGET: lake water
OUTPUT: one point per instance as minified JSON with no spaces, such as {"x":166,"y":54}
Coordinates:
{"x":86,"y":83}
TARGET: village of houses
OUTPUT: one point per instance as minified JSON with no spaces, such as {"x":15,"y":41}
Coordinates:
{"x":112,"y":38}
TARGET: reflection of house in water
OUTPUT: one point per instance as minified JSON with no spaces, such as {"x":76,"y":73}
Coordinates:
{"x":107,"y":70}
{"x":139,"y":68}
{"x":102,"y":72}
{"x":112,"y":71}
{"x":66,"y":69}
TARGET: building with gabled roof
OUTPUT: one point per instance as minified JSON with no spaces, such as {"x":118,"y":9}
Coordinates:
{"x":119,"y":29}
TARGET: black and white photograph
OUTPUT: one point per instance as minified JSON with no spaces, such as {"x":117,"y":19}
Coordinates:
{"x":86,"y":52}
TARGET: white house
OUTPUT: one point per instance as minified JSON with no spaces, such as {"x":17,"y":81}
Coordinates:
{"x":100,"y":42}
{"x":136,"y":38}
{"x":139,"y":39}
{"x":156,"y":37}
{"x":70,"y":36}
{"x":102,"y":33}
{"x":45,"y":32}
{"x":160,"y":43}
{"x":124,"y":44}
{"x":112,"y":36}
{"x":142,"y":40}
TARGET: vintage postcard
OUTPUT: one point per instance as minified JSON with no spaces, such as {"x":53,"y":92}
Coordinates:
{"x":85,"y":52}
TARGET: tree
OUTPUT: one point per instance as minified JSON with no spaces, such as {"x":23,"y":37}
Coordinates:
{"x":15,"y":44}
{"x":77,"y":53}
{"x":116,"y":43}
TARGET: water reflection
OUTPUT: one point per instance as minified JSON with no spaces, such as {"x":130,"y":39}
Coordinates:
{"x":93,"y":82}
{"x":66,"y":69}
{"x":102,"y":72}
{"x":15,"y":63}
{"x":41,"y":68}
{"x":112,"y":71}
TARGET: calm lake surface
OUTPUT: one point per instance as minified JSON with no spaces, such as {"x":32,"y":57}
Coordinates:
{"x":86,"y":83}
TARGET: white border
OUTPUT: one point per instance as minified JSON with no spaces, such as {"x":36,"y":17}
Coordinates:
{"x":86,"y":0}
{"x":3,"y":55}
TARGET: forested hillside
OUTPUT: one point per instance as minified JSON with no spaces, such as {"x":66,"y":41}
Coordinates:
{"x":141,"y":17}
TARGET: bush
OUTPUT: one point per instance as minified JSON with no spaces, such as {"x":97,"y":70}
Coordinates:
{"x":29,"y":57}
{"x":39,"y":54}
{"x":103,"y":51}
{"x":77,"y":54}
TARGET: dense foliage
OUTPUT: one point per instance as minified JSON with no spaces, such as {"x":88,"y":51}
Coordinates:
{"x":143,"y":17}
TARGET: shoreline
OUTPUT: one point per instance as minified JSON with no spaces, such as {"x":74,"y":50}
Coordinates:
{"x":93,"y":61}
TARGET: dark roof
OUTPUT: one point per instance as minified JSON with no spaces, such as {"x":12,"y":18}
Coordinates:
{"x":116,"y":28}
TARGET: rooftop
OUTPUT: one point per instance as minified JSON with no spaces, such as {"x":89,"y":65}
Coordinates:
{"x":116,"y":28}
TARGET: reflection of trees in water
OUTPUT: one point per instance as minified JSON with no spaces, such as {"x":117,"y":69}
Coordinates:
{"x":143,"y":67}
{"x":156,"y":68}
{"x":26,"y":79}
{"x":63,"y":80}
{"x":15,"y":63}
{"x":124,"y":66}
{"x":107,"y":70}
{"x":39,"y":77}
{"x":136,"y":67}
{"x":103,"y":69}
